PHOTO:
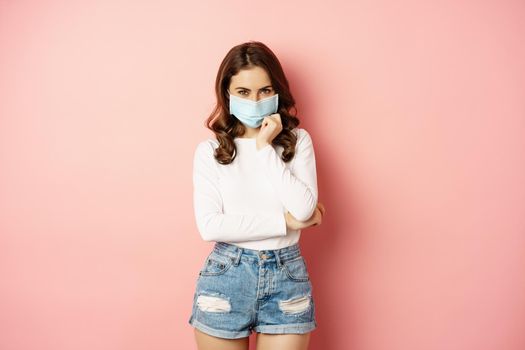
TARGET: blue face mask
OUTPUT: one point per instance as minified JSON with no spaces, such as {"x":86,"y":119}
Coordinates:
{"x":252,"y":113}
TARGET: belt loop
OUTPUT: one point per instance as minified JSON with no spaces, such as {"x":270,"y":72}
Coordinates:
{"x":277,"y":257}
{"x":237,"y":259}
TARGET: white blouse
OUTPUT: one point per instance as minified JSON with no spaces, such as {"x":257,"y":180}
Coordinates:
{"x":245,"y":202}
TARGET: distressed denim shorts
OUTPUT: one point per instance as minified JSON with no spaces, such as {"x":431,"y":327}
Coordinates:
{"x":241,"y":290}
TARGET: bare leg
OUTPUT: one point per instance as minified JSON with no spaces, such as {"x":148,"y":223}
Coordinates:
{"x":209,"y":342}
{"x":282,"y":341}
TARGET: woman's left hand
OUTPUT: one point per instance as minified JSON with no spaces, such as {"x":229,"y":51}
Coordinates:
{"x":314,"y":220}
{"x":270,"y":128}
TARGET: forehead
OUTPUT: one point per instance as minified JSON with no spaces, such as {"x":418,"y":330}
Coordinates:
{"x":252,"y":78}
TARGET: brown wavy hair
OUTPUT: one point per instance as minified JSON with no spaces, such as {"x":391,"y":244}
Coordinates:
{"x":225,"y":126}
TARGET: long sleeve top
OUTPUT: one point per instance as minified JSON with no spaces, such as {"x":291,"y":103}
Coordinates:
{"x":245,"y":202}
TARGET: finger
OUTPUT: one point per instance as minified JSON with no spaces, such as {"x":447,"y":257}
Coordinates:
{"x":276,"y":118}
{"x":269,"y":120}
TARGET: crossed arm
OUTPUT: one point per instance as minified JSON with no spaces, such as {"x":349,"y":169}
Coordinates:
{"x":296,"y":188}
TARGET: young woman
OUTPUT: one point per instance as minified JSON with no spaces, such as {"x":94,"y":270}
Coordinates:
{"x":254,"y":189}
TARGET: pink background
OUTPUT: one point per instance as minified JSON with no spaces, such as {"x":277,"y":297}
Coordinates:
{"x":417,"y":113}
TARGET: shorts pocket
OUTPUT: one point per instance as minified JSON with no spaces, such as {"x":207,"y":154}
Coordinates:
{"x":215,"y":265}
{"x":296,"y":269}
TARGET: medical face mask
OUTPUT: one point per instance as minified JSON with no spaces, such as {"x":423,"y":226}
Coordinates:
{"x":252,"y":113}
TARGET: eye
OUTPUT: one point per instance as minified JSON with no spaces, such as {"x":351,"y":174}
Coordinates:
{"x":243,"y":92}
{"x":267,"y":91}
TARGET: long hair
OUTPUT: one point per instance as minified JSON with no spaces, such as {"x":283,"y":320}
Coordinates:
{"x":225,"y":126}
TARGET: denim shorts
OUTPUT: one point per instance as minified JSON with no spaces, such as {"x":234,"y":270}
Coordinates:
{"x":241,"y":290}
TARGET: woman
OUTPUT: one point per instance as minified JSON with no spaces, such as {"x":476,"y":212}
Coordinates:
{"x":254,"y":189}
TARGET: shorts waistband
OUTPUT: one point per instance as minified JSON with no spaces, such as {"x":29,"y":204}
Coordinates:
{"x":280,"y":255}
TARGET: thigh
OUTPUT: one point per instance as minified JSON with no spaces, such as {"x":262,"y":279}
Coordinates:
{"x":224,"y":297}
{"x":209,"y":342}
{"x":282,"y":341}
{"x":290,"y":308}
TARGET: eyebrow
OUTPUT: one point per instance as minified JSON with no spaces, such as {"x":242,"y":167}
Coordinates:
{"x":243,"y":88}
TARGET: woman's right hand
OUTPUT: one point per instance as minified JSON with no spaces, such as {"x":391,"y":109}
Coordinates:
{"x":315,"y":219}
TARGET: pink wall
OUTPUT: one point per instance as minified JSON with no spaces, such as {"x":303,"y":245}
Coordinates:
{"x":418,"y":118}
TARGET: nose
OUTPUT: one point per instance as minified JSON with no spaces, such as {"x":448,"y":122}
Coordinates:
{"x":256,"y":97}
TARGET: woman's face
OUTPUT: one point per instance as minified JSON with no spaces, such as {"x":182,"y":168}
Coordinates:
{"x":253,"y":83}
